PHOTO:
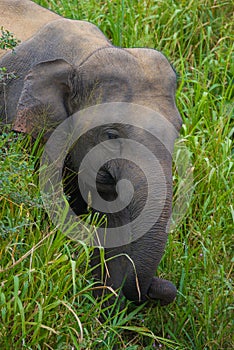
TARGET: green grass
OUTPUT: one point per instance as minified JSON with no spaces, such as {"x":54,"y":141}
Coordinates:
{"x":46,"y":285}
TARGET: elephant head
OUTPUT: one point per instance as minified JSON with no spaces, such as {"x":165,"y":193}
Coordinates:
{"x":69,"y":66}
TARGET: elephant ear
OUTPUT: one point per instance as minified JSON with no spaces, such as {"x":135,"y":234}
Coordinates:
{"x":45,"y":101}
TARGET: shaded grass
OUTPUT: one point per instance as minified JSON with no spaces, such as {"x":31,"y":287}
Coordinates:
{"x":46,"y":286}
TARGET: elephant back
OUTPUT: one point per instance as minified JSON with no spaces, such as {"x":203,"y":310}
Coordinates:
{"x":70,"y":40}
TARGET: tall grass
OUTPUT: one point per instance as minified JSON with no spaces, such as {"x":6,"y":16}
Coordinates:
{"x":46,"y":286}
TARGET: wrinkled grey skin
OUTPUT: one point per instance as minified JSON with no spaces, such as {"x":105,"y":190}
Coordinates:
{"x":69,"y":65}
{"x":23,"y":18}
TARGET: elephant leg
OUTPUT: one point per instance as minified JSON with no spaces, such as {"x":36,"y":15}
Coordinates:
{"x":162,"y":290}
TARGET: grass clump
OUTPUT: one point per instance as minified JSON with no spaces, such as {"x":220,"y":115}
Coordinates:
{"x":46,"y":286}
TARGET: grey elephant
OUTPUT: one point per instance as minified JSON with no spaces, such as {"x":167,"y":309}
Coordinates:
{"x":67,"y":66}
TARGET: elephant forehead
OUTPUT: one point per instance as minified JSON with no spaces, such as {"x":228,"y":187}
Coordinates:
{"x":122,"y":75}
{"x":109,"y":63}
{"x":113,"y":75}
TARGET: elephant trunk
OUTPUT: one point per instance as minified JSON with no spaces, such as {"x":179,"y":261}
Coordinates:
{"x":133,"y":266}
{"x":143,"y":265}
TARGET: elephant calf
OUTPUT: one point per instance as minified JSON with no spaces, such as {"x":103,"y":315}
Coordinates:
{"x":66,"y":67}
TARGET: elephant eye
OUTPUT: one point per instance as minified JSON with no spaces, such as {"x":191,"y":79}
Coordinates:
{"x":111,"y":134}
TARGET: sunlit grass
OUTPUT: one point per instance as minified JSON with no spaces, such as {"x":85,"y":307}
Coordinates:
{"x":46,"y":285}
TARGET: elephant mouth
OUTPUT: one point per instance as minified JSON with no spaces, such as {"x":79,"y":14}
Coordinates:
{"x":106,"y":185}
{"x":104,"y":177}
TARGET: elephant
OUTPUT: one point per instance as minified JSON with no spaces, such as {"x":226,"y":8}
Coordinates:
{"x":67,"y":66}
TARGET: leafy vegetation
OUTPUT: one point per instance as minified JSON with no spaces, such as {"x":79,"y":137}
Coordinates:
{"x":7,"y":41}
{"x":46,"y":286}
